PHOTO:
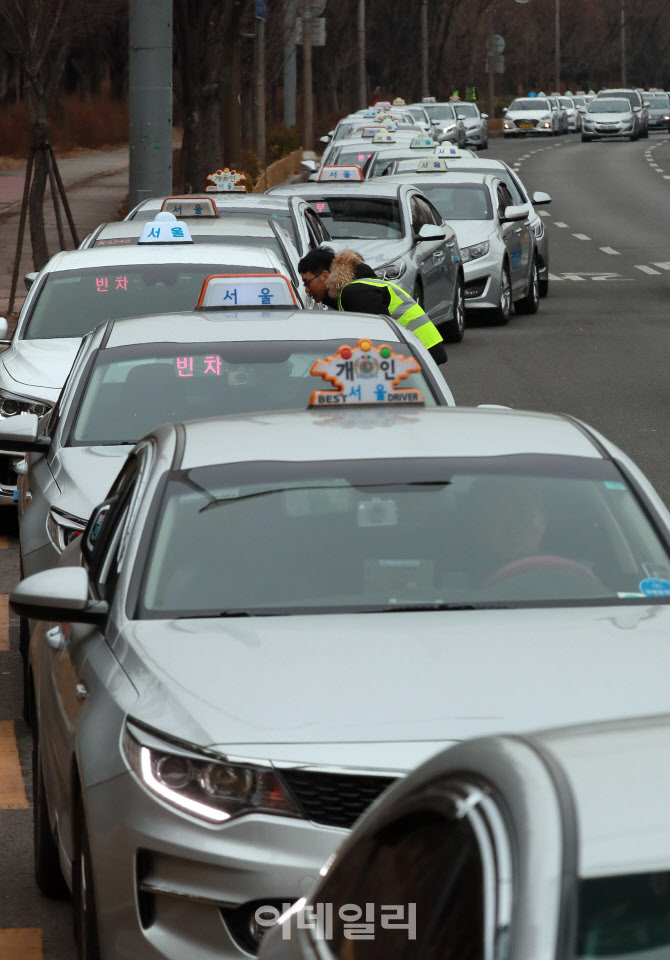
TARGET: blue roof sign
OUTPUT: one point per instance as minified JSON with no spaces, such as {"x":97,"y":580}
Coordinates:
{"x":165,"y":228}
{"x":341,"y":172}
{"x":420,"y":143}
{"x":247,"y":290}
{"x":190,"y":206}
{"x":432,"y":164}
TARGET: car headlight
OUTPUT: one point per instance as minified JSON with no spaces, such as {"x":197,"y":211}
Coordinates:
{"x":212,"y":790}
{"x":538,"y":230}
{"x":12,"y":403}
{"x":63,"y":527}
{"x":391,"y":271}
{"x":507,"y":126}
{"x":475,"y":251}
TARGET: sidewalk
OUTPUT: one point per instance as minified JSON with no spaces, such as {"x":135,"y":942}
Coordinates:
{"x":96,"y":185}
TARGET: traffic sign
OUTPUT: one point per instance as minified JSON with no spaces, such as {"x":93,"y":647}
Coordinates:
{"x":318,"y":31}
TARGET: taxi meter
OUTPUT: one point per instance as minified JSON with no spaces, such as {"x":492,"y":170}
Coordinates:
{"x":247,"y":290}
{"x":365,"y":374}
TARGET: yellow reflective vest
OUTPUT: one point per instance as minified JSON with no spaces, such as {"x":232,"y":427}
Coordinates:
{"x":406,"y":311}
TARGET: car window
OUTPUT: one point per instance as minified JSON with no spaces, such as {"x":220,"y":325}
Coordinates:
{"x":504,"y":199}
{"x":100,"y":537}
{"x":459,"y":201}
{"x":420,"y":876}
{"x":608,"y":106}
{"x":73,"y":302}
{"x":511,"y":531}
{"x":468,"y":109}
{"x":624,"y":916}
{"x":427,"y":212}
{"x":418,"y":215}
{"x":356,"y":155}
{"x":531,"y":103}
{"x":360,"y":218}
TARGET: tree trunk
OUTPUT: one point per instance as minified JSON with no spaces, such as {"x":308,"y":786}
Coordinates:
{"x":38,"y":236}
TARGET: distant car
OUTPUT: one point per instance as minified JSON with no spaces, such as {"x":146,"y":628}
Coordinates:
{"x":386,"y":159}
{"x":637,"y":104}
{"x":476,"y":129}
{"x":293,"y":214}
{"x":447,"y":125}
{"x":555,"y":104}
{"x":401,"y":235}
{"x":609,"y":117}
{"x":519,"y":194}
{"x":489,"y":836}
{"x":574,"y":119}
{"x":530,"y":115}
{"x":358,"y":151}
{"x":496,"y":241}
{"x":659,"y":111}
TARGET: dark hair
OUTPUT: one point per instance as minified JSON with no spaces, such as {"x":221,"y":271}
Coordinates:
{"x":317,"y":260}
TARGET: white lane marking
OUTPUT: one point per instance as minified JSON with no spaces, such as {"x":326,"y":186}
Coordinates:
{"x":563,"y":226}
{"x":554,"y":278}
{"x":645,"y":269}
{"x":573,"y":276}
{"x":543,"y":213}
{"x":580,"y":236}
{"x":614,"y":253}
{"x":658,"y":170}
{"x":663,"y":266}
{"x":666,"y":177}
{"x":654,"y":166}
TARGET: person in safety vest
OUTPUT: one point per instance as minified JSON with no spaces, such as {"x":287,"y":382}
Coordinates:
{"x":343,"y":281}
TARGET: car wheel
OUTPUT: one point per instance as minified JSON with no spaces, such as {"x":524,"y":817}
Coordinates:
{"x":453,"y":330}
{"x":485,"y":145}
{"x":544,"y":288}
{"x":586,"y":139}
{"x":83,"y":895}
{"x":48,"y":874}
{"x":531,"y":302}
{"x":503,"y":311}
{"x":645,"y":135}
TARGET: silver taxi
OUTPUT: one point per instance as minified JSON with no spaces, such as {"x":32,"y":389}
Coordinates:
{"x":549,"y":846}
{"x":401,"y":235}
{"x":495,"y":239}
{"x":178,"y":786}
{"x":531,"y":116}
{"x":78,"y":289}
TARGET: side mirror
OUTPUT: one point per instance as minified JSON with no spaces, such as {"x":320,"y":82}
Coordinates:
{"x":460,"y":116}
{"x":308,"y":166}
{"x":60,"y":594}
{"x":539,"y":198}
{"x":19,"y":434}
{"x":637,"y":109}
{"x":430,"y":231}
{"x":505,"y":109}
{"x":485,"y":116}
{"x":324,"y":139}
{"x":4,"y":328}
{"x":30,"y":279}
{"x":514,"y":213}
{"x":646,"y":103}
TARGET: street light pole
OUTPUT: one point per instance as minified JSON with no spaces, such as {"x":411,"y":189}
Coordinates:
{"x":308,"y":107}
{"x":623,"y":44}
{"x":558,"y":47}
{"x":362,"y":75}
{"x":424,"y":49}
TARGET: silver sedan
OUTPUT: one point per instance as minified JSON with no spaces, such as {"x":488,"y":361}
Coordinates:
{"x":531,"y":116}
{"x":609,"y":118}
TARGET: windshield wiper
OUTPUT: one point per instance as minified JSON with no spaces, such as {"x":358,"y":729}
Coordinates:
{"x":439,"y":605}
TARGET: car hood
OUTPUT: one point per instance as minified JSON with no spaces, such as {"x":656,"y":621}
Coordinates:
{"x":349,"y":688}
{"x":609,"y":117}
{"x":374,"y":252}
{"x":42,"y":365}
{"x":84,"y":476}
{"x":526,"y":114}
{"x":471,"y":231}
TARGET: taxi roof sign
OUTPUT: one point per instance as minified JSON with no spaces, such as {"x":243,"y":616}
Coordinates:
{"x":432,"y":164}
{"x":428,"y":100}
{"x":365,"y":374}
{"x":371,"y":112}
{"x":384,"y":136}
{"x":226,"y":181}
{"x":448,"y":150}
{"x":384,"y":104}
{"x":338,"y":173}
{"x":420,"y":143}
{"x":190,"y":206}
{"x":247,"y":290}
{"x":165,"y":228}
{"x":371,"y":131}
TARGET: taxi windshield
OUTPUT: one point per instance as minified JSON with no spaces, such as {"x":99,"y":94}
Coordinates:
{"x":133,"y":389}
{"x":388,"y":534}
{"x":459,"y":201}
{"x":72,"y":302}
{"x":627,"y":917}
{"x":608,"y":106}
{"x":659,"y":103}
{"x":531,"y":103}
{"x":440,"y":111}
{"x":360,"y":218}
{"x":355,"y":156}
{"x":468,"y":110}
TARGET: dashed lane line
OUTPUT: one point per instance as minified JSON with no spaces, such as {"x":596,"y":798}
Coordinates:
{"x":544,"y":213}
{"x":12,"y":790}
{"x":663,"y":266}
{"x":645,"y":269}
{"x":613,"y":253}
{"x":4,"y":623}
{"x":580,"y":236}
{"x":554,"y":278}
{"x":563,"y":226}
{"x":21,"y":943}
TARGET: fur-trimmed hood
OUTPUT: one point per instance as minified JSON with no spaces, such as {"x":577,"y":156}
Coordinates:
{"x":343,"y":270}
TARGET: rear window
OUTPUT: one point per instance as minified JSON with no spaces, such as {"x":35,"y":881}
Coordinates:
{"x":626,"y":917}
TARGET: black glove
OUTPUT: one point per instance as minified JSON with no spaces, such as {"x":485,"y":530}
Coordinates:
{"x":438,"y":352}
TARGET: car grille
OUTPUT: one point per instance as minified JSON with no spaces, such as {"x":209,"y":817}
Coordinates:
{"x":525,"y":123}
{"x":334,"y":799}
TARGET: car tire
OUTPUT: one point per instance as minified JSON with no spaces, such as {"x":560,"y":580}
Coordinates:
{"x":453,"y":330}
{"x":645,"y":135}
{"x":544,"y":288}
{"x":502,"y":313}
{"x":48,"y":874}
{"x":485,"y":145}
{"x":84,"y":912}
{"x":531,"y":302}
{"x":507,"y":136}
{"x":586,"y":139}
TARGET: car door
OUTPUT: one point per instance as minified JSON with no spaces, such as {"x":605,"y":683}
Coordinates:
{"x":447,"y":259}
{"x":60,"y":653}
{"x":516,"y":236}
{"x":422,"y":255}
{"x":431,"y":881}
